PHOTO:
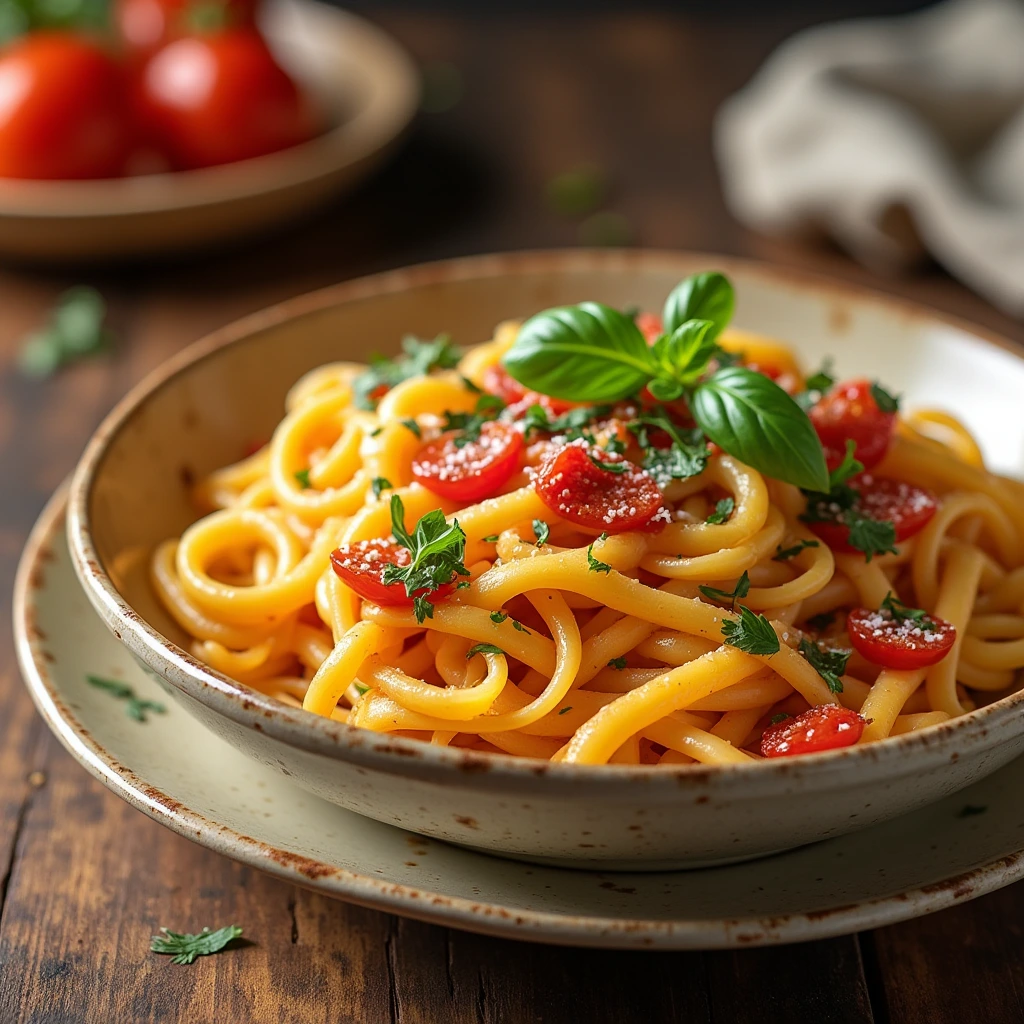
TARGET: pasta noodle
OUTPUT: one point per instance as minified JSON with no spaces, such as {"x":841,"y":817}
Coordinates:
{"x":539,"y":654}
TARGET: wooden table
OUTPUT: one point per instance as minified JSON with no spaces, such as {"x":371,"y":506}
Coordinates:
{"x":85,"y":880}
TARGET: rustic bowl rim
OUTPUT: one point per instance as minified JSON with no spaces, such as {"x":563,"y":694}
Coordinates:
{"x":908,"y":753}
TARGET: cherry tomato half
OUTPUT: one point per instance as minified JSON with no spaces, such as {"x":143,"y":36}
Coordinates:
{"x":144,"y":25}
{"x":360,"y":566}
{"x":473,"y":472}
{"x":907,"y":507}
{"x":850,"y":412}
{"x":216,"y":99}
{"x":825,"y":727}
{"x":899,"y":643}
{"x":63,"y":111}
{"x":650,"y":326}
{"x":571,"y":484}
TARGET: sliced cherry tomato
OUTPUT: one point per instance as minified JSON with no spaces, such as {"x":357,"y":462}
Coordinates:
{"x":571,"y":484}
{"x":498,"y":381}
{"x":63,"y":109}
{"x":650,"y":326}
{"x":220,"y":98}
{"x":899,"y":643}
{"x":825,"y":727}
{"x":144,"y":25}
{"x":360,"y":566}
{"x":475,"y":471}
{"x":850,"y":412}
{"x":907,"y":507}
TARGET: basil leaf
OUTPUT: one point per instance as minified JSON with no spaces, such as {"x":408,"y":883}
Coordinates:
{"x":584,"y":353}
{"x":665,"y":390}
{"x":707,"y":296}
{"x":752,"y":418}
{"x":684,"y":354}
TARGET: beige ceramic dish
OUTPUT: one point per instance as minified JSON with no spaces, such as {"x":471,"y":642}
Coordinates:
{"x":360,"y":77}
{"x":205,"y":405}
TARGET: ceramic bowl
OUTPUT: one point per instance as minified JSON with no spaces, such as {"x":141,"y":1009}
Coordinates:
{"x":205,"y":405}
{"x":360,"y":78}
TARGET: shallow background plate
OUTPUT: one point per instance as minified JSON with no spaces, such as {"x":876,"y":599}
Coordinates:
{"x":360,"y":77}
{"x":200,"y":786}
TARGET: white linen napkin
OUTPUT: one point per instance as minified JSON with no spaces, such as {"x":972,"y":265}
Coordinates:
{"x":852,"y":127}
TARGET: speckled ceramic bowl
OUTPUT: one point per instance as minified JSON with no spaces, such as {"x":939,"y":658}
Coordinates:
{"x":206,"y":404}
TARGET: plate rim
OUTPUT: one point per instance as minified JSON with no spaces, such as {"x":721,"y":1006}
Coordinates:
{"x":398,"y":755}
{"x":479,"y":916}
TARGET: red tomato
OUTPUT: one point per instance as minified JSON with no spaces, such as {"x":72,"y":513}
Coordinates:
{"x":899,"y":643}
{"x":498,"y":381}
{"x":144,"y":25}
{"x":849,"y":412}
{"x":907,"y":507}
{"x":360,"y":566}
{"x":650,"y":326}
{"x":216,"y":99}
{"x":570,"y":484}
{"x":63,"y":112}
{"x":475,"y":471}
{"x":825,"y":727}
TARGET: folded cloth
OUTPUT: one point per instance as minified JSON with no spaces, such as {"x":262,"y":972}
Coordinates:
{"x":895,"y":136}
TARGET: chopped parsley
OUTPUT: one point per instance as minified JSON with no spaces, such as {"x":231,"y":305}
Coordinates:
{"x":595,"y":564}
{"x":816,"y":385}
{"x":302,"y":476}
{"x":572,"y":424}
{"x":609,"y":467}
{"x":830,"y":665}
{"x":886,"y":401}
{"x":185,"y":948}
{"x":498,"y":617}
{"x":463,"y":585}
{"x":471,"y":387}
{"x":614,"y":445}
{"x":565,"y":711}
{"x":617,"y":663}
{"x":723,"y":509}
{"x":491,"y":538}
{"x":519,"y":627}
{"x":483,"y":649}
{"x":821,"y":621}
{"x":686,"y":456}
{"x":780,"y":717}
{"x":418,"y":358}
{"x":379,"y":484}
{"x":541,"y":531}
{"x":437,"y":548}
{"x":784,"y":554}
{"x":468,"y":425}
{"x":135,"y":707}
{"x":903,"y":613}
{"x":412,"y":426}
{"x":741,"y":589}
{"x":751,"y":633}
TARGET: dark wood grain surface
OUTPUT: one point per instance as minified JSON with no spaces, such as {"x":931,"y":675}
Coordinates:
{"x":85,"y":880}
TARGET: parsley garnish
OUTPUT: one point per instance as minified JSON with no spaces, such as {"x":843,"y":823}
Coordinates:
{"x":741,"y":589}
{"x":463,"y":585}
{"x":136,"y":707}
{"x":379,"y":484}
{"x":816,"y":385}
{"x":437,"y":548}
{"x":565,"y":711}
{"x":187,"y":947}
{"x":901,"y":612}
{"x":780,"y":717}
{"x":519,"y":627}
{"x":471,"y":387}
{"x":822,"y":620}
{"x":417,"y":360}
{"x":723,"y":509}
{"x":469,"y":424}
{"x":885,"y":401}
{"x":687,"y":456}
{"x":617,"y":663}
{"x":541,"y":531}
{"x":830,"y":665}
{"x":784,"y":554}
{"x":302,"y":475}
{"x":594,"y":564}
{"x":571,"y":424}
{"x":75,"y":329}
{"x":872,"y":537}
{"x":498,"y":617}
{"x":750,"y":633}
{"x":609,"y":467}
{"x":614,"y":445}
{"x":491,"y":538}
{"x":483,"y":649}
{"x":412,"y":426}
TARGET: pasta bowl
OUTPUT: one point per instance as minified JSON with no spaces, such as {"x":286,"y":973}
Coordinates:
{"x":132,"y":490}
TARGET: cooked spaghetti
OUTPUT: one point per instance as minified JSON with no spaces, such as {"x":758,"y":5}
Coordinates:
{"x":556,"y":546}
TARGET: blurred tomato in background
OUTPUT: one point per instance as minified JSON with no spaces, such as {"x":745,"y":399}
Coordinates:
{"x":99,"y":91}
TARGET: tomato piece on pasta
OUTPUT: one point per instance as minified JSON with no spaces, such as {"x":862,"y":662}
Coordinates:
{"x":474,"y":470}
{"x":907,"y":507}
{"x":360,"y":566}
{"x":849,"y":412}
{"x":825,"y":727}
{"x":649,"y":325}
{"x":573,"y":482}
{"x":900,"y":642}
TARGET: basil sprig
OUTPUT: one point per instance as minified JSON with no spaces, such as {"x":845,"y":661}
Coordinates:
{"x":592,"y":353}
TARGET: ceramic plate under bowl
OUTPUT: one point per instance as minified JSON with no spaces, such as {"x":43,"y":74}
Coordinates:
{"x":207,"y":405}
{"x":363,"y":81}
{"x":203,"y":788}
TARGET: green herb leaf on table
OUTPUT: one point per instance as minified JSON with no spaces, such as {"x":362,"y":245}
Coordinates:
{"x":741,"y":590}
{"x":379,"y":484}
{"x":595,"y":564}
{"x":75,"y":329}
{"x":437,"y":548}
{"x":136,"y":707}
{"x":706,"y":296}
{"x":829,"y":664}
{"x":723,"y":509}
{"x":541,"y":531}
{"x":785,"y":554}
{"x":418,"y":358}
{"x":185,"y":947}
{"x":751,"y":633}
{"x":483,"y":649}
